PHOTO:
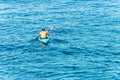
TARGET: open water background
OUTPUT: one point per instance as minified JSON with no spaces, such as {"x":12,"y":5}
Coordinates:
{"x":85,"y":45}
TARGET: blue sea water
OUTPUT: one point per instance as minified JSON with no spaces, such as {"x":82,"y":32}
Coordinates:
{"x":85,"y":45}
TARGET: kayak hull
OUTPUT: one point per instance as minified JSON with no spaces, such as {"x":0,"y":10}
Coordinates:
{"x":45,"y":41}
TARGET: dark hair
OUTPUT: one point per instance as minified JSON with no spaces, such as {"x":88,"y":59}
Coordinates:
{"x":43,"y":29}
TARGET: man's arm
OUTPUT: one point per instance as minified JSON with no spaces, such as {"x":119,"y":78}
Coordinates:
{"x":47,"y":33}
{"x":39,"y":34}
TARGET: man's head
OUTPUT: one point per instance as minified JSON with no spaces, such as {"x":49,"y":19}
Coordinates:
{"x":43,"y":29}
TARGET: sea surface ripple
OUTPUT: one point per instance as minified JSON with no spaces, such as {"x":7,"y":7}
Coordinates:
{"x":85,"y":45}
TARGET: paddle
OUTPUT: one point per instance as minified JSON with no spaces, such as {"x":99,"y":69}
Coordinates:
{"x":51,"y":28}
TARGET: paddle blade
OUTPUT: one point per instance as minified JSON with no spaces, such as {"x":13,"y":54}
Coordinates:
{"x":53,"y":27}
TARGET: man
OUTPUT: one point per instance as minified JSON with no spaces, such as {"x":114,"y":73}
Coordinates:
{"x":43,"y":34}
